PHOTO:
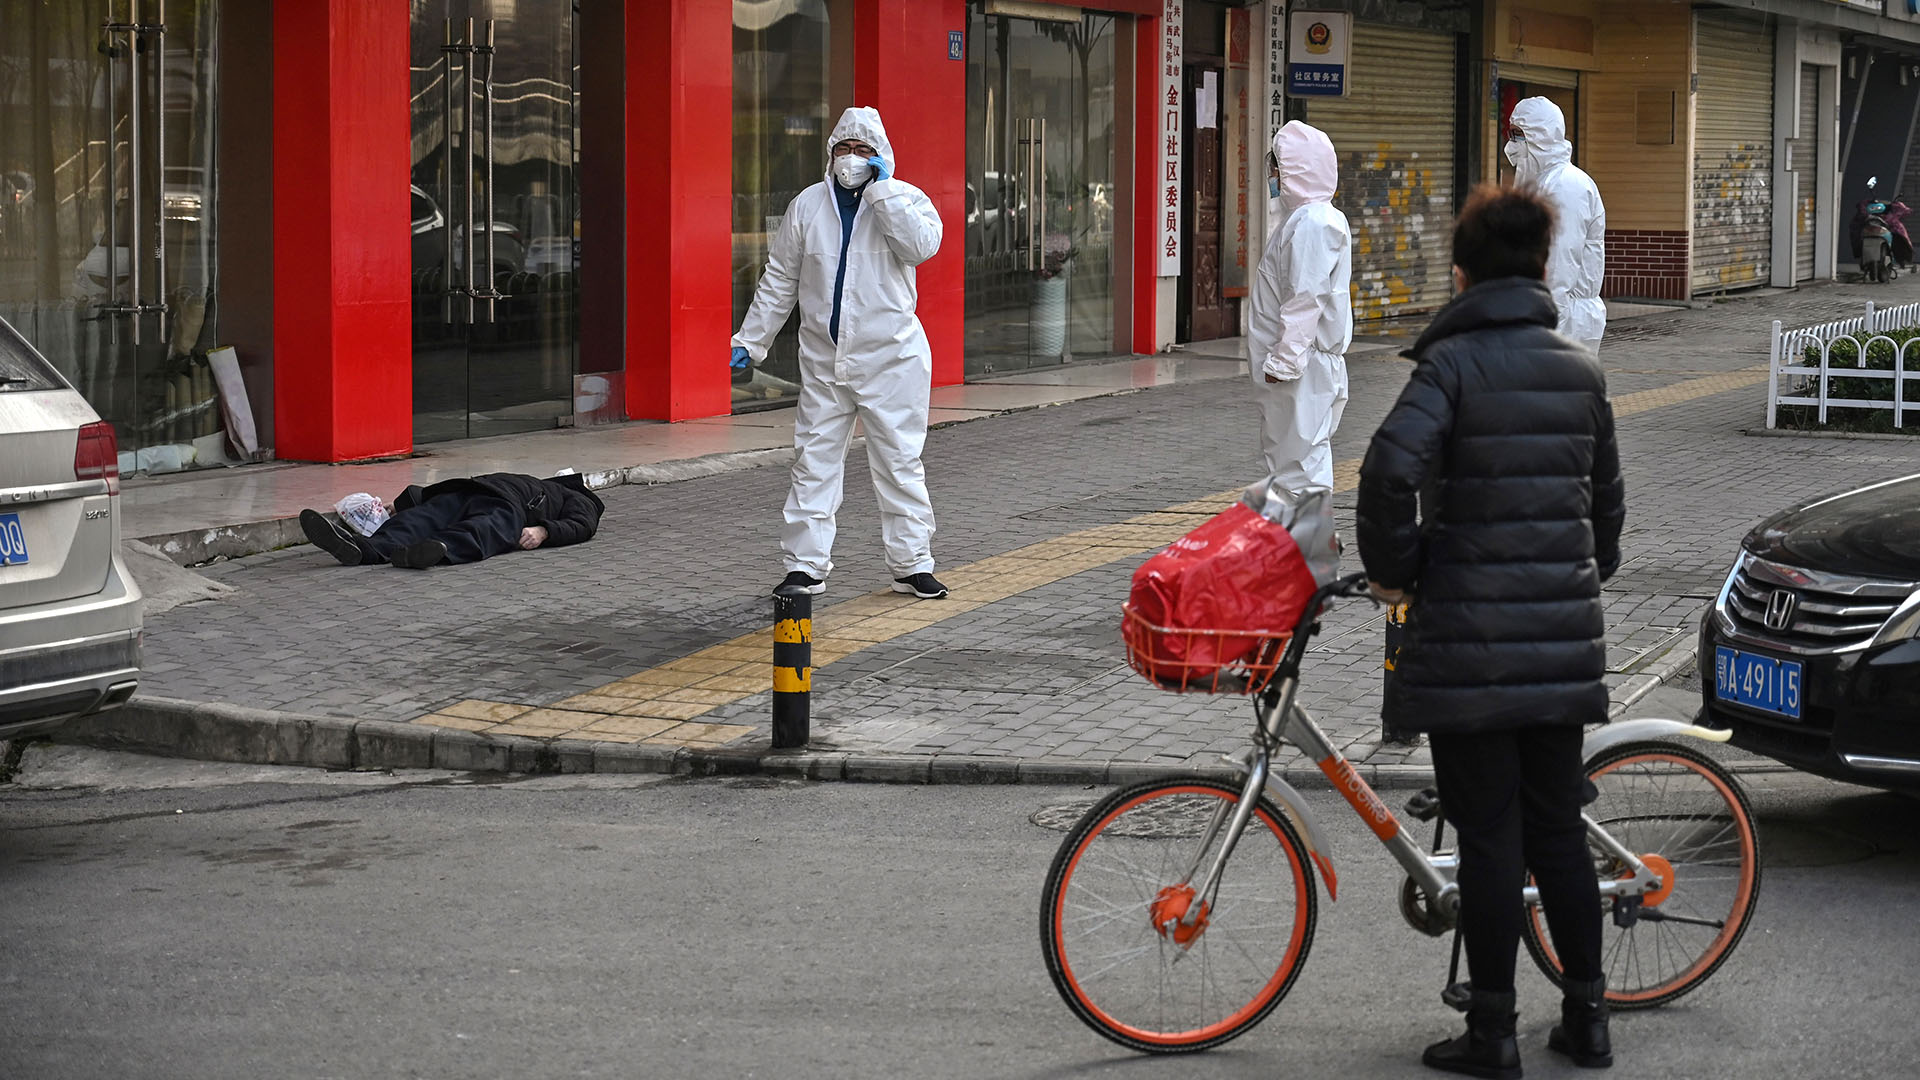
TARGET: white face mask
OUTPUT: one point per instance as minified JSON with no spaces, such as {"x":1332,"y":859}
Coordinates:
{"x":851,"y":170}
{"x":1520,"y":156}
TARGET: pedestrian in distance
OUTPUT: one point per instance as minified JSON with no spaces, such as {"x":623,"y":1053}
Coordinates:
{"x":1542,"y":161}
{"x":1301,"y":320}
{"x":845,"y":254}
{"x":1491,"y":499}
{"x":467,"y":520}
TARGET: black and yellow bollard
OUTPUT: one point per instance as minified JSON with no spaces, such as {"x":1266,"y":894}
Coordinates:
{"x":792,"y":669}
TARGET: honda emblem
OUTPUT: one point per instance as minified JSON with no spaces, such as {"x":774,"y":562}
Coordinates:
{"x":1780,"y":608}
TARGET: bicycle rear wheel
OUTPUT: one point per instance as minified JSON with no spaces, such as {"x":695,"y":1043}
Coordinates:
{"x":1117,"y":881}
{"x":1680,"y":811}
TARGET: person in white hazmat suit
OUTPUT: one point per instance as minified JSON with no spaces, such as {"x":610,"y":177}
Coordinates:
{"x":1542,"y":161}
{"x":846,"y":253}
{"x":1301,"y":321}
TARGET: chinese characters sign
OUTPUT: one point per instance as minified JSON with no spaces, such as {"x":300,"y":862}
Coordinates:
{"x":1167,"y":212}
{"x":1234,"y":201}
{"x":1317,"y":53}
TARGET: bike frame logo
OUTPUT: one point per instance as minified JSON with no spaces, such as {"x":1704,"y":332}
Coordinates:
{"x":1361,"y":797}
{"x":1780,"y":608}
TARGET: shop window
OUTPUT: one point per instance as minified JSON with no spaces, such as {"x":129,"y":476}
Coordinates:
{"x":792,"y":77}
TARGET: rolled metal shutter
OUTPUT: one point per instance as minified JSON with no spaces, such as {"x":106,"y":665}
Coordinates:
{"x":1395,"y":137}
{"x":1806,"y":152}
{"x":1732,"y":152}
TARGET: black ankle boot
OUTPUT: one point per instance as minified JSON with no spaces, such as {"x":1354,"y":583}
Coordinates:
{"x":1488,"y":1049}
{"x":1581,"y":1033}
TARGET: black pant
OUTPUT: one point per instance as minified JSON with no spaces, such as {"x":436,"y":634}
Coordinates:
{"x":1514,"y":797}
{"x":473,"y":527}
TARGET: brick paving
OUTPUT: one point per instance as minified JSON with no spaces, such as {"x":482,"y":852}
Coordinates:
{"x":683,"y":569}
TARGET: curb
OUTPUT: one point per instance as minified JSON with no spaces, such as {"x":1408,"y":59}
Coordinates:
{"x":214,"y":731}
{"x":1662,"y":671}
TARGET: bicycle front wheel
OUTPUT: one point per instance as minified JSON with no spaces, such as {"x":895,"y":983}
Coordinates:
{"x":1684,"y":815}
{"x":1112,"y":927}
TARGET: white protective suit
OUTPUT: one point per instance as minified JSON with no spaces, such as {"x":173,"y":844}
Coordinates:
{"x":1301,"y":321}
{"x":1543,"y":162}
{"x":880,"y":371}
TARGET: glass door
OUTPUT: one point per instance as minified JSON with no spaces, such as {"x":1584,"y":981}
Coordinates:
{"x":107,"y":211}
{"x":1040,"y":191}
{"x":495,"y":314}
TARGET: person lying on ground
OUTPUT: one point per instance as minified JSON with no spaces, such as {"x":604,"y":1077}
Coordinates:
{"x":467,"y":520}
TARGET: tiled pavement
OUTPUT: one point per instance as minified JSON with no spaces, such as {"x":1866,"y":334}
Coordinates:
{"x":655,"y":631}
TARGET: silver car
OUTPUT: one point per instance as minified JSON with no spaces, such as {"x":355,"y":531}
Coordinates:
{"x":69,"y":612}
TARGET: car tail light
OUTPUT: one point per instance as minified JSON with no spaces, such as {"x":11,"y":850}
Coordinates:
{"x":97,"y":456}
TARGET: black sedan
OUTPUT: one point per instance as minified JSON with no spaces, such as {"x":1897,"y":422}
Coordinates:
{"x":1811,"y":652}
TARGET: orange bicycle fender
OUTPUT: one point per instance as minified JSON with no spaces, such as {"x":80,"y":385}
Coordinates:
{"x":1295,"y":807}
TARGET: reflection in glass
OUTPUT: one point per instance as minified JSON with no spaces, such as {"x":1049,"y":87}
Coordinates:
{"x":479,"y":368}
{"x":1040,"y":191}
{"x":783,"y":110}
{"x":79,"y":135}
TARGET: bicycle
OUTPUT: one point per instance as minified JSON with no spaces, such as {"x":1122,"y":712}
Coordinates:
{"x":1156,"y":945}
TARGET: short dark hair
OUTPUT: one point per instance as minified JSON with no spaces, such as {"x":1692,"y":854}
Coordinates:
{"x":1502,"y":232}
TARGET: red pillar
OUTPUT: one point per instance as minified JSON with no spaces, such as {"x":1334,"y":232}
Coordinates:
{"x":902,"y":67}
{"x":342,"y":334}
{"x":1147,"y":184}
{"x":679,"y":235}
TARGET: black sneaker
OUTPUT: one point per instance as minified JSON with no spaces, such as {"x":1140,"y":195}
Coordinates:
{"x":924,"y":586}
{"x":329,"y":538}
{"x":799,"y":581}
{"x":420,"y":556}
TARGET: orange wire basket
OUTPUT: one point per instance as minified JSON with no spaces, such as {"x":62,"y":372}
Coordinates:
{"x":1164,"y":655}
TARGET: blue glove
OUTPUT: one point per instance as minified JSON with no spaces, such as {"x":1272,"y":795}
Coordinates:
{"x":880,"y":171}
{"x":741,"y":358}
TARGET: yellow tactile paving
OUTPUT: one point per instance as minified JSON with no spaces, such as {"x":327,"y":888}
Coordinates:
{"x":670,"y":710}
{"x":458,"y":723}
{"x":1642,"y":400}
{"x":496,"y":712}
{"x":639,"y":727}
{"x":660,"y":704}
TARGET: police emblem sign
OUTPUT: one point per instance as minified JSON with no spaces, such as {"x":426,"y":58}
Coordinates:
{"x":1318,"y":52}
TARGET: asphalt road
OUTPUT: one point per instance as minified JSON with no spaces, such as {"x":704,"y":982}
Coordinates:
{"x":173,"y":919}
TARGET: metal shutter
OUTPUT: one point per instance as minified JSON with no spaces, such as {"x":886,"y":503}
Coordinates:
{"x":1732,"y":152}
{"x":1395,"y":138}
{"x":1806,"y":152}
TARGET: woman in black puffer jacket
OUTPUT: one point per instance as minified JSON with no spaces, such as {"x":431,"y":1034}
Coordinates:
{"x":1503,"y":443}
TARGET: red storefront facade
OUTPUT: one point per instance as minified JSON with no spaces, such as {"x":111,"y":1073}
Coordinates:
{"x":655,"y":271}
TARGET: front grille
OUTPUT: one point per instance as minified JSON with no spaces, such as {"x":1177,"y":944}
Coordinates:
{"x":1823,"y":618}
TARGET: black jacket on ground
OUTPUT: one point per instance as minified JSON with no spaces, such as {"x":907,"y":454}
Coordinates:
{"x":562,"y":505}
{"x":1503,"y":440}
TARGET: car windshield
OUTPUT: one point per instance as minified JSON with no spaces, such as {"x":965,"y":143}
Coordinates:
{"x":21,"y":368}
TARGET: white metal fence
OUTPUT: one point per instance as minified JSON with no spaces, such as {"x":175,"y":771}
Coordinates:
{"x":1810,"y":383}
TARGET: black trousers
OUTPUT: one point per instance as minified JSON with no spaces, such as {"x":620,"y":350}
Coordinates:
{"x":1514,"y":798}
{"x":473,"y":527}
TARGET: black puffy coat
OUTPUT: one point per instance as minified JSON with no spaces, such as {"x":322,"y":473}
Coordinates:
{"x":1503,"y":438}
{"x":562,"y":505}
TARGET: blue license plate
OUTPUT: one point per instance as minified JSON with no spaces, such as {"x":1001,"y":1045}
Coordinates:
{"x":1758,"y":682}
{"x":13,"y":542}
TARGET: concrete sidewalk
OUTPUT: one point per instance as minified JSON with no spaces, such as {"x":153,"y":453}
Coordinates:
{"x":245,"y":510}
{"x":650,"y":649}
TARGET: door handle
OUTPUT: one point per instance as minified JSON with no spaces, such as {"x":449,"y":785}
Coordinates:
{"x":477,"y":127}
{"x":142,"y":45}
{"x":488,"y":292}
{"x":448,"y":289}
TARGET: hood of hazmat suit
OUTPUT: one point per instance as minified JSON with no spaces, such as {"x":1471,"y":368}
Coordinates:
{"x":1543,"y":162}
{"x":879,"y":367}
{"x":1301,"y":317}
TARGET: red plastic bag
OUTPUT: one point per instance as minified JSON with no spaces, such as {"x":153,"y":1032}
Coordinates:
{"x":1237,"y":572}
